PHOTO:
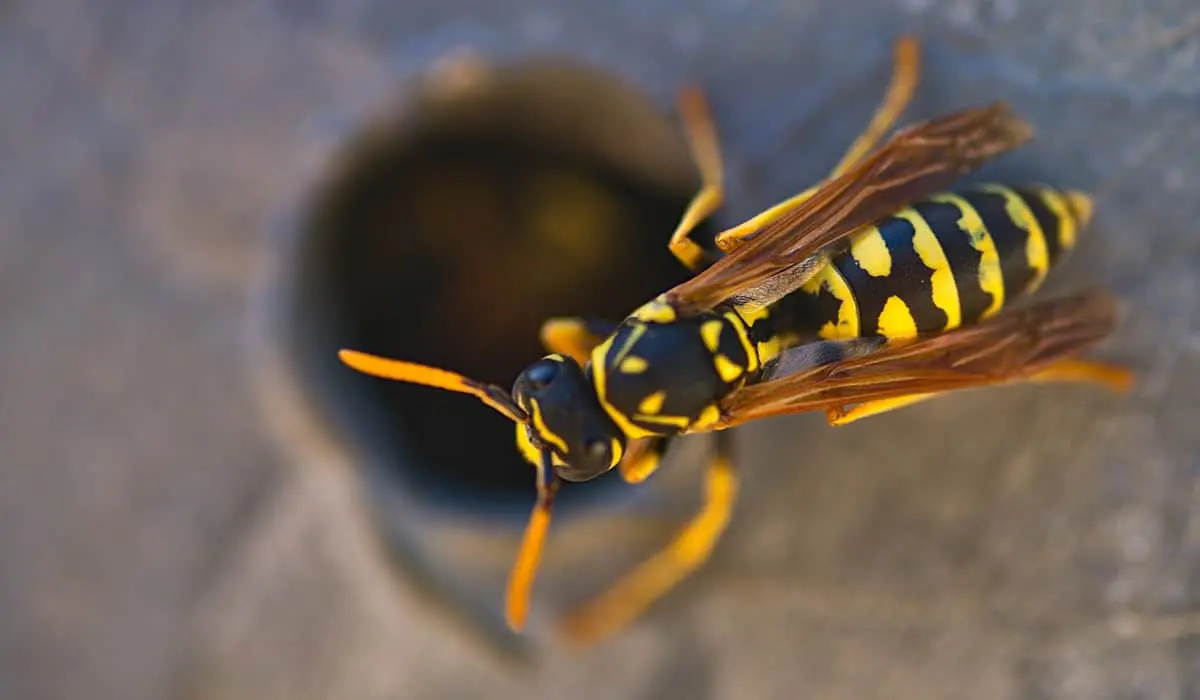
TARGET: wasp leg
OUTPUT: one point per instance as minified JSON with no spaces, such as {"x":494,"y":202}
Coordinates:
{"x":633,"y":593}
{"x":706,"y":153}
{"x":1115,"y":377}
{"x":843,"y":416}
{"x":574,"y":337}
{"x":642,"y":458}
{"x":905,"y":74}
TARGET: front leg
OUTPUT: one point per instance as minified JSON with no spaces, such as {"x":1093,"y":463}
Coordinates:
{"x":575,"y":337}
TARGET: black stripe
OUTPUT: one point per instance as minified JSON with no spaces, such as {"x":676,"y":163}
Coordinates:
{"x":765,"y":327}
{"x":730,"y":345}
{"x":1046,"y":218}
{"x":943,"y":219}
{"x":1010,"y":240}
{"x":803,"y":312}
{"x":910,"y":279}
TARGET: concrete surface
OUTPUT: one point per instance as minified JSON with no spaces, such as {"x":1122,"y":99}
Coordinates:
{"x":1023,"y":543}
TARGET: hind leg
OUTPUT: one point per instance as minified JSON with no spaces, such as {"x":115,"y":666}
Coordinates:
{"x":1114,"y":377}
{"x":631,"y":595}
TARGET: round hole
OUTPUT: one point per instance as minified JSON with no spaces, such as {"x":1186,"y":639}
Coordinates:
{"x":449,"y":234}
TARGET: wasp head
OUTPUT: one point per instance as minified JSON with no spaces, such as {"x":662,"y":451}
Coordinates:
{"x":566,"y":418}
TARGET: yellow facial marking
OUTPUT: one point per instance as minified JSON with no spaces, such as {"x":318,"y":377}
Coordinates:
{"x":1035,"y":245}
{"x":655,"y":311}
{"x":871,"y":253}
{"x":531,"y":454}
{"x":847,"y":322}
{"x":543,"y":432}
{"x":710,"y":332}
{"x":929,"y":250}
{"x":617,"y":450}
{"x":896,"y":321}
{"x":991,"y":278}
{"x":633,"y":365}
{"x":727,"y":369}
{"x":653,"y":403}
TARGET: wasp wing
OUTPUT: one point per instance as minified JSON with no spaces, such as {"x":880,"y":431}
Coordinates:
{"x":1010,"y":347}
{"x":914,"y":162}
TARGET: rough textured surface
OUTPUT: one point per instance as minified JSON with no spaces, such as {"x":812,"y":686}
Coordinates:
{"x":1024,"y":543}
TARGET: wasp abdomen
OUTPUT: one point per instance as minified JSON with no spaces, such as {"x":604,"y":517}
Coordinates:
{"x":945,"y":261}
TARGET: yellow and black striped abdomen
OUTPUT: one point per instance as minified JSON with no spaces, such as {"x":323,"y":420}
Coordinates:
{"x":945,"y":261}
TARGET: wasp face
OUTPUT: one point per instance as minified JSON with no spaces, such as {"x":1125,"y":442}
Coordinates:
{"x":566,"y":418}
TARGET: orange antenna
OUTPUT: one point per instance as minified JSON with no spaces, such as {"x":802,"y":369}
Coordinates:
{"x":520,"y":580}
{"x":424,"y":375}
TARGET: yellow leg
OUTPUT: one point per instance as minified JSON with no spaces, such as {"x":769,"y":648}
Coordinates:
{"x":729,"y":239}
{"x":706,"y":152}
{"x":641,"y":459}
{"x":1114,"y":377}
{"x":843,"y":416}
{"x":574,"y":337}
{"x":905,"y":74}
{"x":636,"y":591}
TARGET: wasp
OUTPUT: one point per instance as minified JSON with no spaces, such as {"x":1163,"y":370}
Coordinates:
{"x":870,"y":291}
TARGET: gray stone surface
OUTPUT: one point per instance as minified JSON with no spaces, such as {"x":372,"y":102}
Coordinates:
{"x":1033,"y":542}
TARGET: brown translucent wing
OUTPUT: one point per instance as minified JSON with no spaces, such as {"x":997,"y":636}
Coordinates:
{"x":1013,"y":346}
{"x":916,"y":161}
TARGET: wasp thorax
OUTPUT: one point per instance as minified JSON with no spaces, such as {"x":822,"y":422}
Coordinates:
{"x":566,"y":418}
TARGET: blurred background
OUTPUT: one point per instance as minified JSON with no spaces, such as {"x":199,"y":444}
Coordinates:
{"x":199,"y":201}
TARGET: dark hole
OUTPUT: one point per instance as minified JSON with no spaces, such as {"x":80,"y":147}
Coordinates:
{"x":450,"y":246}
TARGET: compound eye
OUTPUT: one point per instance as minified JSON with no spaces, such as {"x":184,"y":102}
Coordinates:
{"x":541,"y":374}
